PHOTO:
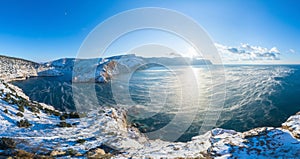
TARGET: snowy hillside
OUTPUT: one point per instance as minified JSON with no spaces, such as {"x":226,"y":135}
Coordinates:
{"x":65,"y":64}
{"x":20,"y":69}
{"x":96,"y":70}
{"x":38,"y":128}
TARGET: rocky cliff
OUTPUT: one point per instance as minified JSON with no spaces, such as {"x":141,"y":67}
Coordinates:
{"x":96,"y":69}
{"x":20,"y":69}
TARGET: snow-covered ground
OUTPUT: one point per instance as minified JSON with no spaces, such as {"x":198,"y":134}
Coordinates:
{"x":263,"y":142}
{"x":106,"y":126}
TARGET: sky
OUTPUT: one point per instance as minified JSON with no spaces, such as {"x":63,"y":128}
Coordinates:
{"x":256,"y":31}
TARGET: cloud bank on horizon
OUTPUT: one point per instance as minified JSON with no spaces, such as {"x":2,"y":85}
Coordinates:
{"x":246,"y":53}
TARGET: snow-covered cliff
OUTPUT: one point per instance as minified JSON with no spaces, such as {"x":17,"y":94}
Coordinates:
{"x":20,"y":69}
{"x":97,"y":69}
{"x":102,"y":70}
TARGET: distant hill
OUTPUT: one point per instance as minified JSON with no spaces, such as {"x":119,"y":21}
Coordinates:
{"x":18,"y":69}
{"x":86,"y":70}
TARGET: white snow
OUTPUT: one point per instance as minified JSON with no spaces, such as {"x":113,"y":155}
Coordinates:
{"x":20,"y":69}
{"x":91,"y":70}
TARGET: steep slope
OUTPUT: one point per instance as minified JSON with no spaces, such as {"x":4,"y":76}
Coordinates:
{"x":38,"y":128}
{"x":64,"y":64}
{"x":20,"y":69}
{"x":96,"y":70}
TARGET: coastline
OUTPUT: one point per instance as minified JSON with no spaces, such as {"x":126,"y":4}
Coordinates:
{"x":46,"y":132}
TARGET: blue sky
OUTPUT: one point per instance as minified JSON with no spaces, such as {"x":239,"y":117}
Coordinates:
{"x":51,"y":29}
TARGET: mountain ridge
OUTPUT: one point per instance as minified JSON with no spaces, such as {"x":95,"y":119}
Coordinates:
{"x":86,"y":70}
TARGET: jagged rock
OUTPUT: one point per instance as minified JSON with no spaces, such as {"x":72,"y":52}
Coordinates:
{"x":7,"y":143}
{"x":24,"y":155}
{"x":293,"y":125}
{"x":99,"y":153}
{"x":55,"y":153}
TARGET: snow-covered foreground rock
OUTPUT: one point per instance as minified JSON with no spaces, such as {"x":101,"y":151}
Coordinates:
{"x":219,"y":143}
{"x":48,"y":132}
{"x":105,"y":133}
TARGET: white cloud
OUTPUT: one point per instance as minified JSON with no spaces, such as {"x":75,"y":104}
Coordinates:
{"x":246,"y":52}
